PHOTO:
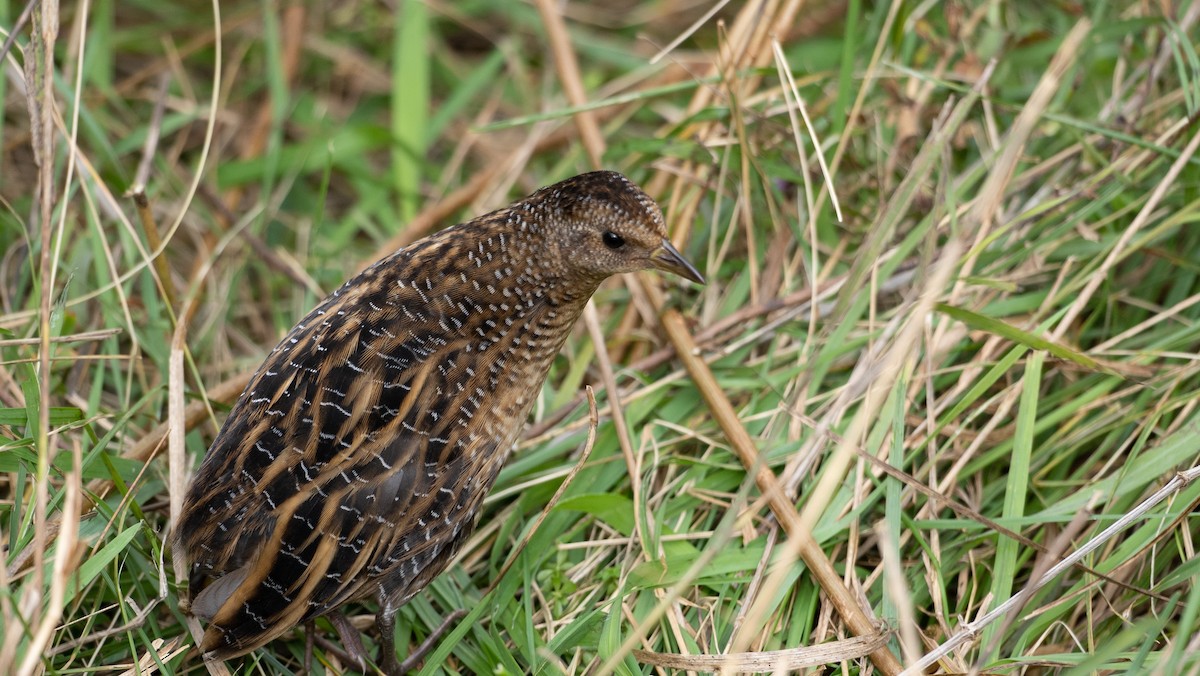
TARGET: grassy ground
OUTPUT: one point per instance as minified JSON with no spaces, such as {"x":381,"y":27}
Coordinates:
{"x":968,"y":359}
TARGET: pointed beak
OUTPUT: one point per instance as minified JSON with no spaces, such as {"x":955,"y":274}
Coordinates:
{"x":668,"y":259}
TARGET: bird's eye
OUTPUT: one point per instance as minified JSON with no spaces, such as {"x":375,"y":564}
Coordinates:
{"x":612,"y":240}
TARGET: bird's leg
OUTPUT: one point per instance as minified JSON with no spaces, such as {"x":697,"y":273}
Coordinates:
{"x":351,"y":641}
{"x":309,"y":630}
{"x":386,"y":621}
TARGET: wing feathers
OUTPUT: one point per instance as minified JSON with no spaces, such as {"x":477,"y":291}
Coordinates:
{"x":355,"y":460}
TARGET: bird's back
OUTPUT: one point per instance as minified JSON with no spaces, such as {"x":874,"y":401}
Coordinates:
{"x":356,"y":459}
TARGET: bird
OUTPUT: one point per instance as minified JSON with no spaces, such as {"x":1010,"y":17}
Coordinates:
{"x":354,"y":464}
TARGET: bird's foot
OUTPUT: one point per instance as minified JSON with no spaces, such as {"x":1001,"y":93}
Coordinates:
{"x":352,"y":647}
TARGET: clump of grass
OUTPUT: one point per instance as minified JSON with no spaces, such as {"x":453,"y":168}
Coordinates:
{"x":949,"y":337}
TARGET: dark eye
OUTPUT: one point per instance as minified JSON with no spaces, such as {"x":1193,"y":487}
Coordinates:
{"x":612,"y":240}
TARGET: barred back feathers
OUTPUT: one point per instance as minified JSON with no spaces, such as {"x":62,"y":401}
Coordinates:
{"x":357,"y":458}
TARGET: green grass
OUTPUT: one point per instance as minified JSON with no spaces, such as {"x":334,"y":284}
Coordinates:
{"x":1042,"y":391}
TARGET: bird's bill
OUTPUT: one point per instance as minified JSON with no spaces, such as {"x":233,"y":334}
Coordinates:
{"x":668,"y":259}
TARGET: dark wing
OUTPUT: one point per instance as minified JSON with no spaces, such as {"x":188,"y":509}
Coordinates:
{"x":340,"y":465}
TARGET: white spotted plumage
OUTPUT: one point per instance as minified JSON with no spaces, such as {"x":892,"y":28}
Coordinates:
{"x":356,"y":460}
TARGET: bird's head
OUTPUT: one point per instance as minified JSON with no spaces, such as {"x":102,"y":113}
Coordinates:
{"x":600,"y":224}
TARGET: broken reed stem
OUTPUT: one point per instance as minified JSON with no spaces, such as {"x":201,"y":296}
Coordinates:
{"x":859,"y":622}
